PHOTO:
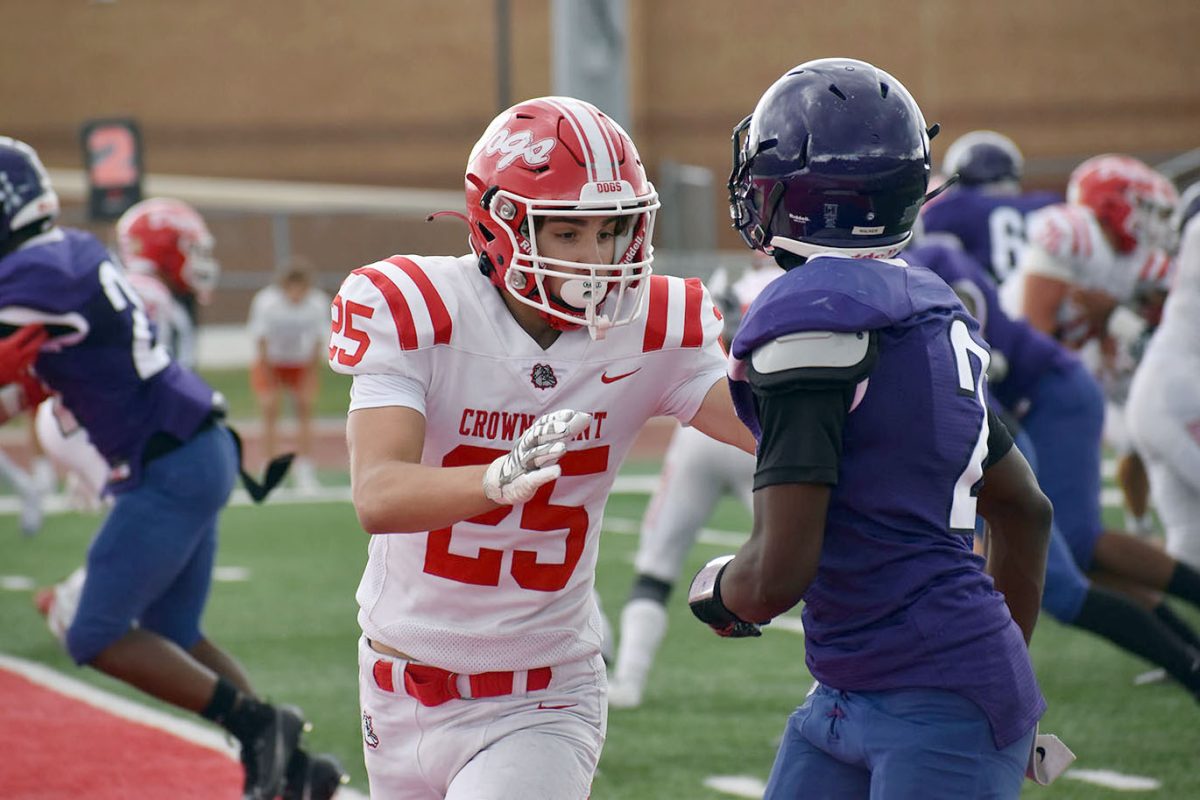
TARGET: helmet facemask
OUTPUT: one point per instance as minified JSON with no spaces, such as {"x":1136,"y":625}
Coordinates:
{"x":592,"y":295}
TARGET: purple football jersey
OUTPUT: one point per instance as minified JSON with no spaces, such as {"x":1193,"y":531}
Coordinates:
{"x":991,"y":227}
{"x":1029,"y":352}
{"x":103,"y":357}
{"x":899,"y":599}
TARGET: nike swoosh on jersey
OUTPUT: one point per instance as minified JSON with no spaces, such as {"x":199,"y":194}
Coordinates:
{"x":543,"y":707}
{"x":606,"y":378}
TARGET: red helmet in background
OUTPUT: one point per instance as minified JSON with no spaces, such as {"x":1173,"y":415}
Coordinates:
{"x":561,"y":157}
{"x":169,"y":237}
{"x":1131,"y":200}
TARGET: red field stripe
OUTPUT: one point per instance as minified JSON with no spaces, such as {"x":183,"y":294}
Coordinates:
{"x":55,"y":747}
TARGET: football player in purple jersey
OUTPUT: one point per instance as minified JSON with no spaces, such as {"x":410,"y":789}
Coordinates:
{"x":864,"y":380}
{"x":1045,"y":384}
{"x":986,"y":208}
{"x":174,"y":463}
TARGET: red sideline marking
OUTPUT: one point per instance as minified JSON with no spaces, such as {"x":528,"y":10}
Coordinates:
{"x":55,"y":747}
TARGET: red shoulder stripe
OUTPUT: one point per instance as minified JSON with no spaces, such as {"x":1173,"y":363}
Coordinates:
{"x":656,"y":314}
{"x":442,"y":325}
{"x":693,"y":329}
{"x":405,"y":330}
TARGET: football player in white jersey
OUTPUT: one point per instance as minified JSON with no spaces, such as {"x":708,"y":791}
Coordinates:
{"x":1164,"y":401}
{"x":697,"y":472}
{"x":289,"y":323}
{"x":1091,"y":275}
{"x":482,"y":485}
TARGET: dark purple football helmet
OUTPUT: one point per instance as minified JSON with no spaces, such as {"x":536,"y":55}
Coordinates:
{"x":980,"y":158}
{"x":834,"y":157}
{"x":26,"y":196}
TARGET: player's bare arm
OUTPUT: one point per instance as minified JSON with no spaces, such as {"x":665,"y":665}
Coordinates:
{"x":1018,"y":517}
{"x":717,"y":418}
{"x":1044,"y":296}
{"x":775,"y":566}
{"x":392,"y":491}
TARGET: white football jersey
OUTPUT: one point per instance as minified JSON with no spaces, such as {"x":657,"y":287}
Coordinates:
{"x":292,"y":331}
{"x":1067,"y":243}
{"x":175,"y":328}
{"x":511,"y":589}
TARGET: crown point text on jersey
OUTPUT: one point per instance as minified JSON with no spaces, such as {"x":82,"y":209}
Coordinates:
{"x":507,"y":426}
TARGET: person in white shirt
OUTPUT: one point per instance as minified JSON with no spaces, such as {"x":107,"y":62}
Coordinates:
{"x":289,"y":324}
{"x":495,"y":396}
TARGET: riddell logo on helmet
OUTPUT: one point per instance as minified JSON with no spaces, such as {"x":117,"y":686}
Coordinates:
{"x":519,"y":145}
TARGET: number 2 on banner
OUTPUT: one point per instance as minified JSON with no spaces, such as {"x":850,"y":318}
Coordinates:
{"x":539,"y":514}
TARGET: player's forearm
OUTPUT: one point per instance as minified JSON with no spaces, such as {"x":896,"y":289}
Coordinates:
{"x":399,"y":497}
{"x":1043,"y":297}
{"x":1017,"y":564}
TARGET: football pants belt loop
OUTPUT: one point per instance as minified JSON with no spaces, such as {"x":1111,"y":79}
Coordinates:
{"x":433,"y":686}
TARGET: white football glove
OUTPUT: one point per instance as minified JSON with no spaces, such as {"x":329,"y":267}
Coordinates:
{"x":516,"y":476}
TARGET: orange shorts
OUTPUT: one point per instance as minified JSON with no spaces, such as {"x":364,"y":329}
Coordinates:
{"x":264,"y":378}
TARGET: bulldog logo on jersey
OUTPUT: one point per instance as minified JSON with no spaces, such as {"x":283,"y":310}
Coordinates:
{"x":369,"y":736}
{"x":542,"y":376}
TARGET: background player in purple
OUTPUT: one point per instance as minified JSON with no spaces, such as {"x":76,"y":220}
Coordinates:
{"x":864,"y":379}
{"x":173,"y":466}
{"x":986,"y":209}
{"x":1036,"y":378}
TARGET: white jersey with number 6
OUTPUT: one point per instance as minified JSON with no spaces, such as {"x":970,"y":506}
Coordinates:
{"x":511,"y":589}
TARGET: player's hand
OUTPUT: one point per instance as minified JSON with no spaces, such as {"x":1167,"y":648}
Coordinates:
{"x":517,"y":475}
{"x":704,"y":598}
{"x":19,"y":350}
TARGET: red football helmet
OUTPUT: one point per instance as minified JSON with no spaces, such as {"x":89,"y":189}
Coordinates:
{"x":1132,"y":201}
{"x":170,"y":238}
{"x":561,"y":157}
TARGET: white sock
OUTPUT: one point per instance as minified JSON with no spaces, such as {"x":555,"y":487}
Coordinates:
{"x":643,"y":626}
{"x":1142,"y":525}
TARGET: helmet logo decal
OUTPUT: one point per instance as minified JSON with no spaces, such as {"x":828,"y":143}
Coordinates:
{"x":831,"y":212}
{"x":12,"y":200}
{"x":519,"y":144}
{"x":542,"y":376}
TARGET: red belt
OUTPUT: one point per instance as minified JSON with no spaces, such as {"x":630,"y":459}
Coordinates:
{"x":432,"y":686}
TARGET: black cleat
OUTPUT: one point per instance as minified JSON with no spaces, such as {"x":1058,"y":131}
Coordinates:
{"x":266,"y":756}
{"x":313,"y":777}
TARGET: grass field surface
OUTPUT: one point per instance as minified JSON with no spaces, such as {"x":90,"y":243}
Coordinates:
{"x":713,"y":708}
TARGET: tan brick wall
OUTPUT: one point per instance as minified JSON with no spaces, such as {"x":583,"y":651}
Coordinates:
{"x":395,"y":91}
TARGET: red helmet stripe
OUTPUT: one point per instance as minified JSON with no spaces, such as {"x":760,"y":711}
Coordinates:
{"x":598,"y":150}
{"x":656,"y":314}
{"x":693,"y":329}
{"x":406,"y":330}
{"x":442,"y":324}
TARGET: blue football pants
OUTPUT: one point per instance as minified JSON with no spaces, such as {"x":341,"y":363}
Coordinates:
{"x":904,"y":744}
{"x":151,"y":562}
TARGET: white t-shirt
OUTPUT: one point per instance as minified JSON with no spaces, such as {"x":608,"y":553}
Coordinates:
{"x":512,"y":589}
{"x":292,"y":331}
